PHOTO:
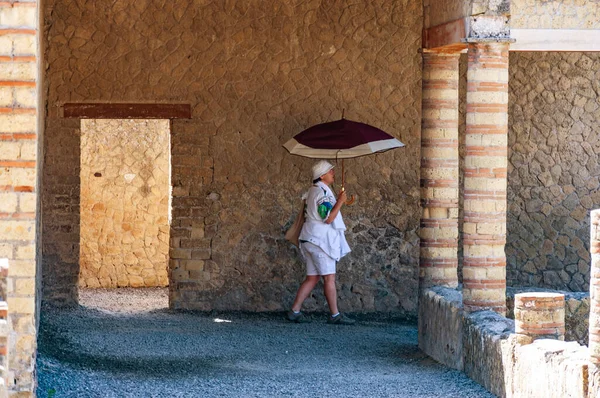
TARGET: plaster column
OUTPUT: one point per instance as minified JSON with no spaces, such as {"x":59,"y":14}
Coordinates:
{"x":594,"y":343}
{"x":439,"y":171}
{"x":484,"y":272}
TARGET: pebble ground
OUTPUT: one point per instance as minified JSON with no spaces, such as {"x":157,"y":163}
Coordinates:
{"x":125,"y":344}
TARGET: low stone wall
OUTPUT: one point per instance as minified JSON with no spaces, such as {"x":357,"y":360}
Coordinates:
{"x":440,"y":319}
{"x":488,"y":345}
{"x":594,"y":379}
{"x":492,"y":357}
{"x":577,"y":311}
{"x":564,"y":363}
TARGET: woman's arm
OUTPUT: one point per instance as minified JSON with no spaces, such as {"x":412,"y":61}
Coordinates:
{"x":341,"y":199}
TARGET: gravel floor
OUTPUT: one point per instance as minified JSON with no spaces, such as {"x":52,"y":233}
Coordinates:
{"x":148,"y":352}
{"x":125,"y":300}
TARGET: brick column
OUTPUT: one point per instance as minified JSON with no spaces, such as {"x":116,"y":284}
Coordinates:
{"x":4,"y":331}
{"x":439,"y":171}
{"x":539,"y":316}
{"x":594,"y":343}
{"x":18,"y":162}
{"x":484,"y":272}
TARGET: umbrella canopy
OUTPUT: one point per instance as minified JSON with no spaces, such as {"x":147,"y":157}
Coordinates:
{"x":341,"y":139}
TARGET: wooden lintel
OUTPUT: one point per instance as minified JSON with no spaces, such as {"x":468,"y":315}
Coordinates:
{"x":127,"y":111}
{"x":446,"y":38}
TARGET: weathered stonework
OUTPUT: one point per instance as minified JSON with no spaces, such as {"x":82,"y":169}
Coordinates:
{"x":594,"y":344}
{"x":438,"y":12}
{"x":474,"y":19}
{"x":492,"y":356}
{"x":438,"y":263}
{"x":488,"y":345}
{"x":539,"y":315}
{"x":555,"y":14}
{"x":485,"y":163}
{"x":18,"y":187}
{"x":577,"y":312}
{"x":255,"y":74}
{"x":566,"y":364}
{"x":441,"y":319}
{"x":125,"y":198}
{"x":554,"y":170}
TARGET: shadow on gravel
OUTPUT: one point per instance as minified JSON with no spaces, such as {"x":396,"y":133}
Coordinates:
{"x":52,"y":345}
{"x":62,"y":336}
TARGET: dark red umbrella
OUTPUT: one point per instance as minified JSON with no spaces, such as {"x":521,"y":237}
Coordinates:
{"x":341,"y":139}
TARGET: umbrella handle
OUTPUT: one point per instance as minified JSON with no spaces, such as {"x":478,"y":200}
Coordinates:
{"x":351,"y":200}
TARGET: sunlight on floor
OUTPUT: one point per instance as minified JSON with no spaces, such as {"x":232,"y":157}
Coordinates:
{"x":125,"y":300}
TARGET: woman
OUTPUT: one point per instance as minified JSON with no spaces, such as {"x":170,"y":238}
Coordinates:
{"x":322,"y":242}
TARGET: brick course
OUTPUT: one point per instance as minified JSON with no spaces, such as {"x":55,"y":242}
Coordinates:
{"x":439,"y":171}
{"x":594,"y":344}
{"x":18,"y":161}
{"x":539,"y":316}
{"x":484,"y":229}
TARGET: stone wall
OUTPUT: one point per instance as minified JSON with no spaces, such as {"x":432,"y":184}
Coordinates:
{"x":554,"y":168}
{"x":255,"y":74}
{"x":566,"y":364}
{"x":554,"y":14}
{"x":488,"y":345}
{"x":125,"y":200}
{"x":438,"y":12}
{"x":492,"y":356}
{"x":441,"y":319}
{"x":554,"y":175}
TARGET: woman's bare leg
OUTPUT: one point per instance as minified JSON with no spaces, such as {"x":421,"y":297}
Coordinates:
{"x":307,"y":286}
{"x":330,"y":292}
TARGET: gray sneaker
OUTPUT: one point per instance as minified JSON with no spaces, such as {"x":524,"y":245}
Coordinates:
{"x":297,"y":318}
{"x":340,"y":320}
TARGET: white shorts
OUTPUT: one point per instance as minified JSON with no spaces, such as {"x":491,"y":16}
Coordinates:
{"x":317,"y":261}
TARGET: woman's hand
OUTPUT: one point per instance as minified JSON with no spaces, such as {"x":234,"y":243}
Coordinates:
{"x":341,"y":200}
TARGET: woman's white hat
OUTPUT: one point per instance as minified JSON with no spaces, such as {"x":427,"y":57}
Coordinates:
{"x":320,"y":168}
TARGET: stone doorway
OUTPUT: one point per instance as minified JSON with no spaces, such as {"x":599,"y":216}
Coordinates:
{"x":125,"y":203}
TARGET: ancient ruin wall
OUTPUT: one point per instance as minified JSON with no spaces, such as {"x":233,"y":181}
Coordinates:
{"x":255,"y":73}
{"x":438,"y":12}
{"x":125,"y":192}
{"x":554,"y":169}
{"x":554,"y":14}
